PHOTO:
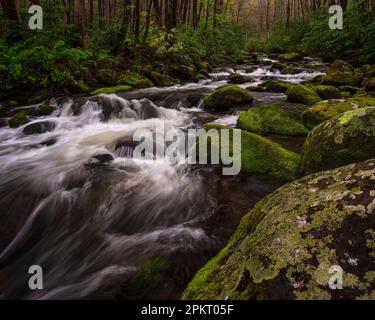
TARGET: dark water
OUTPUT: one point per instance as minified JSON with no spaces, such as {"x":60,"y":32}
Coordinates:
{"x":75,"y":202}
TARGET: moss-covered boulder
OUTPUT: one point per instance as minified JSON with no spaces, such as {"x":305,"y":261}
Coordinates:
{"x":341,"y":73}
{"x":285,"y":247}
{"x":136,"y":81}
{"x":327,"y":92}
{"x":290,"y":57}
{"x":301,"y":94}
{"x":78,"y":87}
{"x":278,"y":86}
{"x":270,"y":119}
{"x":258,"y":154}
{"x":184,"y":73}
{"x":19,"y":119}
{"x":227,"y":97}
{"x":328,"y":109}
{"x":344,"y":139}
{"x":236,"y":78}
{"x":111,"y":90}
{"x":353,"y":90}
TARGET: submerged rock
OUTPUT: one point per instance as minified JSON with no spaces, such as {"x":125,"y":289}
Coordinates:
{"x":302,"y":94}
{"x":342,"y":140}
{"x":227,"y":97}
{"x":270,"y":119}
{"x":328,"y":109}
{"x":284,"y":248}
{"x":39,"y":127}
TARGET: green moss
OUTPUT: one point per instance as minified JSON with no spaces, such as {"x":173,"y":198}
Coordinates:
{"x":162,"y":80}
{"x":78,"y":87}
{"x":302,"y":94}
{"x":260,"y":155}
{"x":290,"y":57}
{"x":326,"y":110}
{"x":339,"y":79}
{"x":106,"y":76}
{"x":200,"y":77}
{"x":351,"y":89}
{"x":111,"y":90}
{"x":369,"y":70}
{"x":327,"y":92}
{"x":45,"y":109}
{"x":284,"y":247}
{"x":227,"y":97}
{"x":270,"y":119}
{"x":135,"y":80}
{"x":236,"y":78}
{"x":19,"y":119}
{"x":344,"y":139}
{"x":278,"y":86}
{"x":346,"y":94}
{"x":147,"y":278}
{"x":204,"y":65}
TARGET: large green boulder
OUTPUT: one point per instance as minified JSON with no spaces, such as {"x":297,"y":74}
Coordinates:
{"x":227,"y":97}
{"x":341,"y":73}
{"x":270,"y":119}
{"x":290,"y":57}
{"x":328,"y":109}
{"x":278,"y":86}
{"x":294,"y":240}
{"x":327,"y":92}
{"x":301,"y":94}
{"x":258,"y":155}
{"x":345,"y":139}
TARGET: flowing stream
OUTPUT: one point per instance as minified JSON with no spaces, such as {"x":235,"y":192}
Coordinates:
{"x":74,"y":201}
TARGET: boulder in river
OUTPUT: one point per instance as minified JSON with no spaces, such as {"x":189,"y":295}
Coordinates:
{"x":290,"y":57}
{"x":271,"y":119}
{"x":227,"y":97}
{"x":345,"y":139}
{"x":38,"y":127}
{"x":342,"y":73}
{"x":302,"y":94}
{"x":260,"y":155}
{"x":236,"y":78}
{"x":287,"y":245}
{"x":278,"y":86}
{"x":327,"y":92}
{"x":19,"y":119}
{"x":325,"y":110}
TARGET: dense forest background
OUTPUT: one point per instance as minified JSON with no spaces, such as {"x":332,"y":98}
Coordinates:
{"x":89,"y":43}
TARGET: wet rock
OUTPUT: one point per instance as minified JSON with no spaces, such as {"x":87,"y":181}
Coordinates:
{"x":236,"y":78}
{"x":345,"y":139}
{"x":301,"y":94}
{"x":260,"y":155}
{"x":278,"y":86}
{"x":227,"y":97}
{"x":326,"y":110}
{"x":270,"y":119}
{"x":104,"y":158}
{"x":290,"y":57}
{"x":284,"y":248}
{"x":19,"y":119}
{"x":38,"y":128}
{"x":327,"y":92}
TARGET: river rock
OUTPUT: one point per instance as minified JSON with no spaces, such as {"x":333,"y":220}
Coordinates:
{"x":236,"y":78}
{"x":270,"y":119}
{"x":38,"y":128}
{"x":345,"y":139}
{"x":302,"y":94}
{"x":260,"y":155}
{"x":227,"y":97}
{"x":278,"y":86}
{"x":327,"y":92}
{"x":290,"y":57}
{"x":285,"y":247}
{"x":342,"y":73}
{"x":325,"y":110}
